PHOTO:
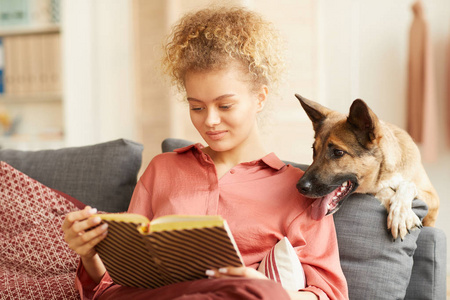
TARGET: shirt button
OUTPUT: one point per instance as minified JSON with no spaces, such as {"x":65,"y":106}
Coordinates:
{"x":232,"y":171}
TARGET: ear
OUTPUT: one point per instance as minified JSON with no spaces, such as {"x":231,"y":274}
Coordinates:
{"x":364,"y":121}
{"x":262,"y":97}
{"x":316,"y":112}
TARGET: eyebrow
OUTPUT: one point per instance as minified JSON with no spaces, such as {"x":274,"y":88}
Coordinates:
{"x":216,"y":99}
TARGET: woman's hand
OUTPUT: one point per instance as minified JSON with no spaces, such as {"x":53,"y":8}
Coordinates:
{"x":80,"y":234}
{"x":235,"y":272}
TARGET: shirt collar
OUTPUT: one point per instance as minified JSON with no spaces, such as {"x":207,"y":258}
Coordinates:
{"x":273,"y":161}
{"x":197,"y":146}
{"x":270,"y":159}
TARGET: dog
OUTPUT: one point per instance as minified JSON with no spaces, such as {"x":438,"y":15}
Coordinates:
{"x":360,"y":153}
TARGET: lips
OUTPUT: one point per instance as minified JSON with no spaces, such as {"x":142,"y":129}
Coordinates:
{"x":216,"y":135}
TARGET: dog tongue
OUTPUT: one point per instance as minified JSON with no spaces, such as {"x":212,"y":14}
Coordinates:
{"x":319,"y":207}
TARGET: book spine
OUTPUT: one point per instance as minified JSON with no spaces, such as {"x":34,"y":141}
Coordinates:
{"x":7,"y":70}
{"x":55,"y":63}
{"x":2,"y":67}
{"x":9,"y":44}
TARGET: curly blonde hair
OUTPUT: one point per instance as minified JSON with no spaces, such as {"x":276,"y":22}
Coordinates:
{"x":213,"y":38}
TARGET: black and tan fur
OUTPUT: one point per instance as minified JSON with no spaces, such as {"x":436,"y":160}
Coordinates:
{"x":373,"y":157}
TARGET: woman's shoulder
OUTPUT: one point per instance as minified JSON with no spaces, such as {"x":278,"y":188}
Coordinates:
{"x":170,"y":160}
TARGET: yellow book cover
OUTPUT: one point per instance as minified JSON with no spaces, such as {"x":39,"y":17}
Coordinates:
{"x":167,"y":250}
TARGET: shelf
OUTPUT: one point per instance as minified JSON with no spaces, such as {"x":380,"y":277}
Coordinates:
{"x":30,"y":29}
{"x":28,"y":143}
{"x":34,"y":98}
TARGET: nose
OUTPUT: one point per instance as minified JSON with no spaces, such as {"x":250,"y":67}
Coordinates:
{"x":213,"y":118}
{"x":304,"y":186}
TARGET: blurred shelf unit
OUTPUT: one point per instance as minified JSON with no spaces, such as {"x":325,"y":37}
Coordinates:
{"x":31,"y":99}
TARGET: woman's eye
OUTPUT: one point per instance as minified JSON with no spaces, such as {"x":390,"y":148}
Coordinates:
{"x":225,"y":107}
{"x":196,"y":108}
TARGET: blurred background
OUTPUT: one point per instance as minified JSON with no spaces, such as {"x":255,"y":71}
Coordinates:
{"x":79,"y":72}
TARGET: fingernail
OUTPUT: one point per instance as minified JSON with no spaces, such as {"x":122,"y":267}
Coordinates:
{"x":97,"y":220}
{"x":93,"y":210}
{"x":223,"y":270}
{"x":210,"y":273}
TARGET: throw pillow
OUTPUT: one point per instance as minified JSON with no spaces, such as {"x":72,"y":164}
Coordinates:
{"x":282,"y":265}
{"x":35,"y":261}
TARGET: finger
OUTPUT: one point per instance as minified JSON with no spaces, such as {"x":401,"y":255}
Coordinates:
{"x":80,"y":227}
{"x":85,"y":230}
{"x":86,"y":224}
{"x":84,"y":242}
{"x":88,"y":247}
{"x":76,"y":216}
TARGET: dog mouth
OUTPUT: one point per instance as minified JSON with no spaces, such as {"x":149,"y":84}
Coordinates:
{"x":330,"y":203}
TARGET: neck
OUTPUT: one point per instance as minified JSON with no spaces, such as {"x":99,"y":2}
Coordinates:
{"x":250,"y":150}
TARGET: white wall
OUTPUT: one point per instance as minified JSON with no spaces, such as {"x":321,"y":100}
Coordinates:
{"x":98,"y":71}
{"x":363,"y":54}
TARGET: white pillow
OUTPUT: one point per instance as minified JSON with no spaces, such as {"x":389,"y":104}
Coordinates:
{"x":281,"y":264}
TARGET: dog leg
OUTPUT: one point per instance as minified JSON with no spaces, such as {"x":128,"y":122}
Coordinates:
{"x":385,"y":195}
{"x":401,"y":217}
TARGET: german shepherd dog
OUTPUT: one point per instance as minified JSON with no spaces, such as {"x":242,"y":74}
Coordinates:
{"x":360,"y":153}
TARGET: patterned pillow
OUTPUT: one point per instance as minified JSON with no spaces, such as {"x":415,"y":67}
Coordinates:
{"x":35,"y":261}
{"x":281,"y":264}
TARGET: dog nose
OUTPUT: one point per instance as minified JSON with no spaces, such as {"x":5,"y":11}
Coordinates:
{"x":304,"y":186}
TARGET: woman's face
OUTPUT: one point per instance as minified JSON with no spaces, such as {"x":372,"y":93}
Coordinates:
{"x":223,"y":107}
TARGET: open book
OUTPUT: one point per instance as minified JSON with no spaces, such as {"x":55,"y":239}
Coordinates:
{"x":169,"y":249}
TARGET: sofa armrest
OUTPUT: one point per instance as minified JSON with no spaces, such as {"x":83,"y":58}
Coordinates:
{"x":428,"y":277}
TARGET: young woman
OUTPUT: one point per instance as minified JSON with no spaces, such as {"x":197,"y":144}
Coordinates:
{"x":226,"y":61}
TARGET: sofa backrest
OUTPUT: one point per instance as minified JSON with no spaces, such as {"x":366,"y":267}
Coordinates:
{"x":102,"y":175}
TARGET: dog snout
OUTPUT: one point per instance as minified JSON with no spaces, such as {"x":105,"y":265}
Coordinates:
{"x":304,"y":186}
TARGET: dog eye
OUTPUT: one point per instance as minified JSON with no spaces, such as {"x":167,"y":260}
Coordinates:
{"x":338,"y":153}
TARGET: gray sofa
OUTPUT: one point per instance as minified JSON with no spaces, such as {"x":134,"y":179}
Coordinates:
{"x":376,"y":267}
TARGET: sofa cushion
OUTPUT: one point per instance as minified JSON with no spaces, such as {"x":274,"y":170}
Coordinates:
{"x":428,"y":278}
{"x":376,"y":267}
{"x":101,"y":175}
{"x":35,"y":261}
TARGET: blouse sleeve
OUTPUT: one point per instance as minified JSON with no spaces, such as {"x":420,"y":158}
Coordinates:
{"x":316,"y":245}
{"x":87,"y":288}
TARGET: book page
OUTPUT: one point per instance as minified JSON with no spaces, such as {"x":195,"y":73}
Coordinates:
{"x":177,"y":222}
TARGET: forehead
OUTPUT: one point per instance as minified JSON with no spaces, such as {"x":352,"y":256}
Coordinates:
{"x":335,"y":130}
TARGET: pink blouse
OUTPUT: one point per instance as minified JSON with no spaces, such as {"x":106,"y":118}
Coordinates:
{"x":260,"y":202}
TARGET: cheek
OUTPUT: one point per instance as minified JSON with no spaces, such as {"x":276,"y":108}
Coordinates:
{"x":195,"y":119}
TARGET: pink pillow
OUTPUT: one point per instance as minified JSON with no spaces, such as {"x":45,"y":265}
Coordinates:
{"x":281,"y":264}
{"x":35,"y":261}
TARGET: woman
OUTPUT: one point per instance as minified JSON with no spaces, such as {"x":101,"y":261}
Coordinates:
{"x":226,"y":61}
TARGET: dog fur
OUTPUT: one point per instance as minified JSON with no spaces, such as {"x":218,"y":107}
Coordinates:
{"x":360,"y":153}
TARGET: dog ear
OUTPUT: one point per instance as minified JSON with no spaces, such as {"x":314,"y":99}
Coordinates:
{"x":364,"y":121}
{"x":316,"y":112}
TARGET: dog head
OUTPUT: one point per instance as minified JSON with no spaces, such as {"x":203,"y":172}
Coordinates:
{"x":345,"y":154}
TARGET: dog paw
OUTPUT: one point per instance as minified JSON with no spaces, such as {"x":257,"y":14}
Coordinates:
{"x":401,"y":218}
{"x":401,"y":221}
